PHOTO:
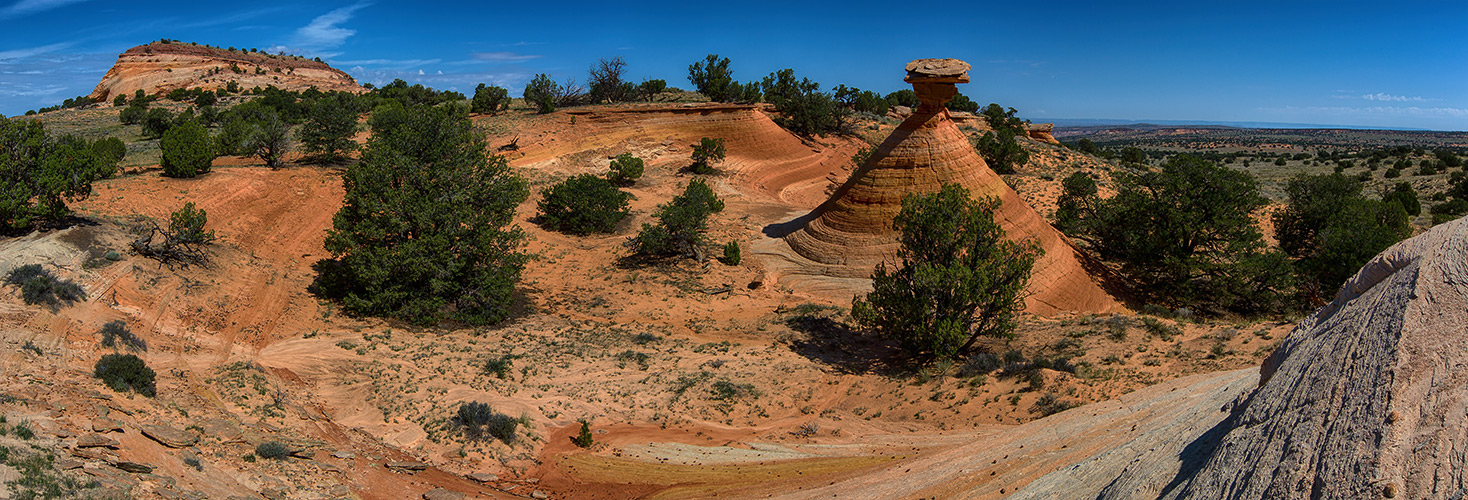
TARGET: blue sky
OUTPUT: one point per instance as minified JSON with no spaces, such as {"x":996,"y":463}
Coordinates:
{"x":1387,"y":64}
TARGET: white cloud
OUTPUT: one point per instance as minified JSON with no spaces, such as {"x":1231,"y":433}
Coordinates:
{"x":502,"y":57}
{"x":420,"y":72}
{"x":1382,"y":111}
{"x":324,"y":32}
{"x":32,"y":51}
{"x":400,"y":64}
{"x":24,"y":7}
{"x":1381,"y":96}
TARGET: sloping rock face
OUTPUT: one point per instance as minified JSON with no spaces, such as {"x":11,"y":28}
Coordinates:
{"x":1368,"y":397}
{"x":162,"y":67}
{"x":852,"y":231}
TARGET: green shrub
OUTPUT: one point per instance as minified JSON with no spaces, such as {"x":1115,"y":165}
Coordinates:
{"x":904,"y":97}
{"x":109,"y":151}
{"x":1404,"y":196}
{"x":187,"y":150}
{"x":806,"y":110}
{"x":326,"y":136}
{"x":1186,"y":234}
{"x":117,"y":330}
{"x":452,"y":252}
{"x":156,"y":122}
{"x":625,"y":170}
{"x":41,"y":173}
{"x":681,"y":223}
{"x":1001,"y":151}
{"x":480,"y":421}
{"x":731,"y":254}
{"x":490,"y":99}
{"x":1049,"y":404}
{"x":584,"y":438}
{"x":500,"y":366}
{"x":39,"y":286}
{"x":126,"y":372}
{"x":712,"y":78}
{"x":1333,"y":229}
{"x":961,"y":102}
{"x":133,"y":114}
{"x":958,"y":278}
{"x":583,"y":205}
{"x":273,"y":450}
{"x":706,"y":153}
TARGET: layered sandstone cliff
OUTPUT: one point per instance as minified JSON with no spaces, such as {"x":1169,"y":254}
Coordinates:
{"x":160,"y":67}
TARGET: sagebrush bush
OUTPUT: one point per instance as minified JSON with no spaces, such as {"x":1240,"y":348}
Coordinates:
{"x":480,"y":421}
{"x":583,"y":205}
{"x":126,"y":372}
{"x":273,"y":450}
{"x":39,"y":286}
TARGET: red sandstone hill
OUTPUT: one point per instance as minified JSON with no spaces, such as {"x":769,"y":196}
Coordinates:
{"x":160,"y":67}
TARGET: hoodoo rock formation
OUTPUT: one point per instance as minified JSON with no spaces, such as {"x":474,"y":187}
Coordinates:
{"x":852,"y":231}
{"x":160,"y":67}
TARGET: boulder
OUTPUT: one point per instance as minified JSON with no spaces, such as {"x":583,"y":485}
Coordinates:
{"x":406,"y":465}
{"x":134,"y":467}
{"x":169,"y":436}
{"x":442,"y":494}
{"x":95,"y":441}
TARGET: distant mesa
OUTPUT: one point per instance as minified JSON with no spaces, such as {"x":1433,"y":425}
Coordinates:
{"x":160,"y":67}
{"x":852,"y":231}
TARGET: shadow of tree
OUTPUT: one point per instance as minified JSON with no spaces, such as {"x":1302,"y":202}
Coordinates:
{"x":833,"y":343}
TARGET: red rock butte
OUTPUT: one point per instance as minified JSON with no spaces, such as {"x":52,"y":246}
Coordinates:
{"x":160,"y":67}
{"x":852,"y":231}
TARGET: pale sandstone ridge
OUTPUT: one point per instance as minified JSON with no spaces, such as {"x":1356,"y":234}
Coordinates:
{"x":160,"y":67}
{"x":1366,"y":398}
{"x":852,"y":231}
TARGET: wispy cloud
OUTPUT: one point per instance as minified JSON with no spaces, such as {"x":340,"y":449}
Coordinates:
{"x":1380,"y":96}
{"x":1415,"y":111}
{"x":7,"y":55}
{"x":325,"y":31}
{"x":503,"y":57}
{"x":401,"y":64}
{"x":24,"y":7}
